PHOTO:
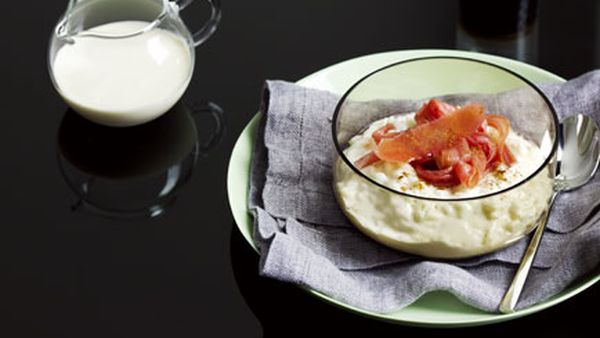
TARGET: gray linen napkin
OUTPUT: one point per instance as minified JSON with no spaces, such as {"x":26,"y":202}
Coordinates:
{"x":304,"y":238}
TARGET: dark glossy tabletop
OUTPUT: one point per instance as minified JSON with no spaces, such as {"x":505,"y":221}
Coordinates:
{"x":67,"y":270}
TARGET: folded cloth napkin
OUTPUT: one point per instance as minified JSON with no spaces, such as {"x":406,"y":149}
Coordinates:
{"x":305,"y":239}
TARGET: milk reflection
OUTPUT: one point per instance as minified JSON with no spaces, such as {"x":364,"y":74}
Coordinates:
{"x":136,"y":171}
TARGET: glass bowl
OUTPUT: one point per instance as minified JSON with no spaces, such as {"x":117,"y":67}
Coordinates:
{"x":390,"y":204}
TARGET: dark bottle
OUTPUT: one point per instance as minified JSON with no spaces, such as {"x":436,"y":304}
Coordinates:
{"x":503,"y":27}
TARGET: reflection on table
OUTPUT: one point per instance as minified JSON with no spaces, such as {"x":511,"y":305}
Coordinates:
{"x":135,"y":171}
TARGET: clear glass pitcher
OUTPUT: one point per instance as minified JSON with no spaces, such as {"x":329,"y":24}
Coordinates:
{"x":124,"y":62}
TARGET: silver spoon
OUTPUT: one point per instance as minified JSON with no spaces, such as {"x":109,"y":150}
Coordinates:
{"x":577,"y":161}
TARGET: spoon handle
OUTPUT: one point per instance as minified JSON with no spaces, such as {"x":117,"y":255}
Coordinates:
{"x":511,"y":297}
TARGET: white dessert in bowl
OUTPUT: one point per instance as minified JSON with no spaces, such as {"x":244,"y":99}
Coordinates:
{"x":435,"y":216}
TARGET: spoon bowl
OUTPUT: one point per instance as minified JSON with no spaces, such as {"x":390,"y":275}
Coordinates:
{"x":579,"y":152}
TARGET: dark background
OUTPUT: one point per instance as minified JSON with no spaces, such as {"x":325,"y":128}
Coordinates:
{"x":189,"y":273}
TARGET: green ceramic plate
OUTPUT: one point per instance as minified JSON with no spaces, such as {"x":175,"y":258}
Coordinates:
{"x":438,"y":309}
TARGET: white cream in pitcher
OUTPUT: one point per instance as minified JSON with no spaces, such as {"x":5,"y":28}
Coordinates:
{"x":124,"y":81}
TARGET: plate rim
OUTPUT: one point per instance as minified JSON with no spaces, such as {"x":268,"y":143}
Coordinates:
{"x":241,"y":155}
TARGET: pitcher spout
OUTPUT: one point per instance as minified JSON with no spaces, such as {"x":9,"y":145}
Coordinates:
{"x":64,"y":29}
{"x":83,"y":16}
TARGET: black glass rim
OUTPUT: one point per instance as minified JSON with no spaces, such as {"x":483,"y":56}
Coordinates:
{"x":515,"y":74}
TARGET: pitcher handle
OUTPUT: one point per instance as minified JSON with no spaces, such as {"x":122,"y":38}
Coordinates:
{"x":210,"y":26}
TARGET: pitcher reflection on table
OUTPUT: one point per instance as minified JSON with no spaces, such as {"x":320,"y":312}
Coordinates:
{"x":137,"y":171}
{"x":124,"y":62}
